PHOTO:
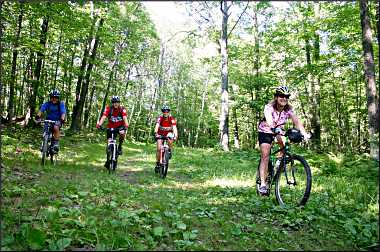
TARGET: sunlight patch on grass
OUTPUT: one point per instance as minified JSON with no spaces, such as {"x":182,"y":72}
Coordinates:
{"x":129,"y":169}
{"x":336,"y":158}
{"x":223,"y":182}
{"x":373,"y":209}
{"x":175,"y":185}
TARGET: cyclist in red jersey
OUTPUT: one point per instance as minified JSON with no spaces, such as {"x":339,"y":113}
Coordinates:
{"x":166,"y":125}
{"x":117,"y":117}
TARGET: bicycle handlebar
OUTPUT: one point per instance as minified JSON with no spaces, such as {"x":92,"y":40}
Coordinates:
{"x":163,"y":137}
{"x":45,"y":121}
{"x":112,"y":129}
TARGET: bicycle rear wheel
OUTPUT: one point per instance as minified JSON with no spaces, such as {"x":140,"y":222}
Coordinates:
{"x":44,"y":149}
{"x":293,"y":184}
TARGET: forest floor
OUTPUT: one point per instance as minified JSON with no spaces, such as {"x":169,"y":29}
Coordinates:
{"x":207,"y":202}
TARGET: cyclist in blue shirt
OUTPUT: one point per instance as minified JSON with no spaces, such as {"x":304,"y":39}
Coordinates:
{"x":55,"y":111}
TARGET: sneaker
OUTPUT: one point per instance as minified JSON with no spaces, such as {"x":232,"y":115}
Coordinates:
{"x":107,"y":164}
{"x":263,"y":190}
{"x":55,"y":147}
{"x":156,"y":169}
{"x":119,"y":150}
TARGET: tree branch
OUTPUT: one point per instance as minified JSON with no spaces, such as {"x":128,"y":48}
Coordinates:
{"x":238,"y":20}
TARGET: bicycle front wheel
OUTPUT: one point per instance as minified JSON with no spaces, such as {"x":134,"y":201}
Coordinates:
{"x":44,"y":149}
{"x":165,"y":164}
{"x":293,"y":183}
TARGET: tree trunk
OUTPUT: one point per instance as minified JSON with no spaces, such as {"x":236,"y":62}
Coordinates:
{"x":37,"y":72}
{"x":77,"y":123}
{"x":11,"y":101}
{"x":1,"y":63}
{"x":369,"y":75}
{"x":236,"y":130}
{"x":69,"y":84}
{"x":200,"y":118}
{"x":57,"y":61}
{"x":89,"y":106}
{"x":223,"y":125}
{"x":74,"y":123}
{"x":315,"y":94}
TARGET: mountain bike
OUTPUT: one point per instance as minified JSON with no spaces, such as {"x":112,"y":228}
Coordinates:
{"x":46,"y":145}
{"x":291,"y":175}
{"x":111,"y":150}
{"x":164,"y":156}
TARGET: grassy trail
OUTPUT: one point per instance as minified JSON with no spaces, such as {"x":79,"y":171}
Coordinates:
{"x":207,"y":202}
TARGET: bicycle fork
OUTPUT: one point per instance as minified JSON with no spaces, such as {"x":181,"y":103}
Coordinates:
{"x":112,"y":142}
{"x":289,"y":182}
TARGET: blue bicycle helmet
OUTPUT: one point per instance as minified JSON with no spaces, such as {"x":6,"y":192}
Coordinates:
{"x":55,"y":93}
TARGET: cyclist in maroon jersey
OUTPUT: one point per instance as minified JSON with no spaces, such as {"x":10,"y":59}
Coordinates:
{"x":166,"y":125}
{"x":117,"y":117}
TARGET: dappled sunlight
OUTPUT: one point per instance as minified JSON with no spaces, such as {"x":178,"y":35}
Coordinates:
{"x":175,"y":185}
{"x":225,"y":182}
{"x":373,"y":209}
{"x":338,"y":159}
{"x":214,"y":183}
{"x":129,"y":169}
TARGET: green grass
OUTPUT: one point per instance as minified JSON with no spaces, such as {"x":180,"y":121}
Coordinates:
{"x":207,"y":202}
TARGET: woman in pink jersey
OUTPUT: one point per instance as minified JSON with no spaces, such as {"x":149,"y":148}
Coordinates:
{"x":276,"y":113}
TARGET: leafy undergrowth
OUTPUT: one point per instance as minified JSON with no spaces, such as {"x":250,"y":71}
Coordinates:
{"x":207,"y":202}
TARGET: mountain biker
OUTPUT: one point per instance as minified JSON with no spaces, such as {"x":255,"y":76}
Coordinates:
{"x":276,"y":113}
{"x":56,"y":111}
{"x":117,"y":117}
{"x":166,"y":125}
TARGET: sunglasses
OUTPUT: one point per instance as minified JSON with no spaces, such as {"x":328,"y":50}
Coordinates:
{"x":283,"y":96}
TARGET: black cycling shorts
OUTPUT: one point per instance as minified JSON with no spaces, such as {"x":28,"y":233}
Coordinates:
{"x":109,"y":134}
{"x":265,"y":138}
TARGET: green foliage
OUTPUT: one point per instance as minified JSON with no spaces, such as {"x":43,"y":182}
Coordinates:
{"x":208,"y":200}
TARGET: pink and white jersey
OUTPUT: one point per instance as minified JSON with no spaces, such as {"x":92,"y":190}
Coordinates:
{"x":279,"y":118}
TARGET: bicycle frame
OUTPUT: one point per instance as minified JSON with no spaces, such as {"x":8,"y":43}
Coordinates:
{"x":282,"y":166}
{"x":112,"y":141}
{"x":112,"y":157}
{"x":46,"y":139}
{"x":164,"y":147}
{"x":282,"y":173}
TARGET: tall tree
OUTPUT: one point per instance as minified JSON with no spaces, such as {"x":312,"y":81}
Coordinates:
{"x":224,"y":113}
{"x":38,"y":68}
{"x":77,"y":120}
{"x":369,"y":75}
{"x":74,"y":122}
{"x":11,"y":101}
{"x":1,"y":62}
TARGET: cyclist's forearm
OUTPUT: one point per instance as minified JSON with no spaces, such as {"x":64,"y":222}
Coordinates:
{"x":101,"y":121}
{"x":156,"y":129}
{"x":175,"y":131}
{"x":125,"y":122}
{"x":297,"y":122}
